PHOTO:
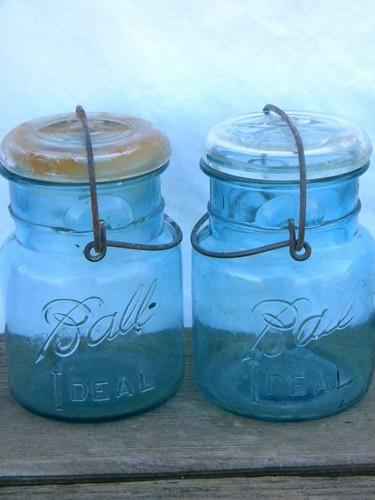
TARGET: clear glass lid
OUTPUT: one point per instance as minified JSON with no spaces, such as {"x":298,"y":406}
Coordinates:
{"x":52,"y":148}
{"x":260,"y":146}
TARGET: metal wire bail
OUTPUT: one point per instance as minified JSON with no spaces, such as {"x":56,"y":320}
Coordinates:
{"x":299,"y":249}
{"x":98,"y":226}
{"x":96,"y":249}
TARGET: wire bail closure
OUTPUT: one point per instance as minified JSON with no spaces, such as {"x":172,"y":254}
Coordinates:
{"x":96,"y":249}
{"x":299,"y":249}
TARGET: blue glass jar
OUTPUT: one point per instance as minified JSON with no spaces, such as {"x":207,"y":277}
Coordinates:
{"x":90,"y":340}
{"x":276,"y":338}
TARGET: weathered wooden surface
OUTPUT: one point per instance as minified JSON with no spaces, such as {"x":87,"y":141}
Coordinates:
{"x":259,"y":488}
{"x":186,"y":437}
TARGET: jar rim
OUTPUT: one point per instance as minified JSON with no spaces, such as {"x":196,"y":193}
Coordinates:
{"x":15,"y":177}
{"x":211,"y":172}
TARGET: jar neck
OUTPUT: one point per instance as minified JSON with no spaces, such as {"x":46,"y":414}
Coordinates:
{"x":264,"y":208}
{"x":58,"y":217}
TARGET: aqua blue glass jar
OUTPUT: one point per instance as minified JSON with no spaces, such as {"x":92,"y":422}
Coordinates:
{"x":277,"y":338}
{"x":90,"y":340}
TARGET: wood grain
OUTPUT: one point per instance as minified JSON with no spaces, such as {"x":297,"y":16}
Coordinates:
{"x":187,"y":436}
{"x":267,"y":488}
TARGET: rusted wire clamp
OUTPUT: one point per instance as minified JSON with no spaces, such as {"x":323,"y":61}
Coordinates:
{"x":96,"y":249}
{"x":299,"y":249}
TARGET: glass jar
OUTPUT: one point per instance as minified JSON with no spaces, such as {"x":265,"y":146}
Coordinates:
{"x":277,"y":338}
{"x":90,"y":340}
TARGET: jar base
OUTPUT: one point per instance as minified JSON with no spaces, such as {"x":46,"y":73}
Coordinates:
{"x":278,"y":380}
{"x":99,"y":384}
{"x":286,"y":417}
{"x":117,"y":416}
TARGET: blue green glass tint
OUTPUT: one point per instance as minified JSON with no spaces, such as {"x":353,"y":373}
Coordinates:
{"x":274,"y":338}
{"x":90,"y":340}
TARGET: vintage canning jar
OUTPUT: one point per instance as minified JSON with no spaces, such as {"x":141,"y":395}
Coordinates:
{"x":278,"y":334}
{"x":97,"y":336}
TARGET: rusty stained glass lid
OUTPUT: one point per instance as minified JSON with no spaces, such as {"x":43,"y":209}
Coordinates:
{"x":52,"y":148}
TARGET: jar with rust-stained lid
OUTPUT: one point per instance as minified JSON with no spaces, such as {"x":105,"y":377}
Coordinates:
{"x":93,"y":301}
{"x":283,"y":273}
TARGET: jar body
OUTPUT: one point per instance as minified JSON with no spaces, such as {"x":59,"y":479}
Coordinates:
{"x":92,"y":340}
{"x":274,"y":338}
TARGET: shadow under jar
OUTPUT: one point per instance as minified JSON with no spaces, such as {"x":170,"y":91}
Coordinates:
{"x":275,"y":338}
{"x":90,"y":340}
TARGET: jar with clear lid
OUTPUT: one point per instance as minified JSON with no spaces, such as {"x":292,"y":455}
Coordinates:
{"x":92,"y":331}
{"x":281,"y":335}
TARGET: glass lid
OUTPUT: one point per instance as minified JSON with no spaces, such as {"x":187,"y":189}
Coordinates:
{"x":52,"y":148}
{"x":260,"y":146}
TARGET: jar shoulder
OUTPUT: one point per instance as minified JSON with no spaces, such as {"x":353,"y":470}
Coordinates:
{"x":125,"y":283}
{"x":118,"y":263}
{"x":328,"y":257}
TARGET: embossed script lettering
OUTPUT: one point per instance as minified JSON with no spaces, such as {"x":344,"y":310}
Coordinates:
{"x":275,"y":316}
{"x":77,"y":322}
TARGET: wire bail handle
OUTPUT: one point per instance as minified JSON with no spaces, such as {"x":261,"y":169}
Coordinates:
{"x":299,"y":249}
{"x":96,"y":249}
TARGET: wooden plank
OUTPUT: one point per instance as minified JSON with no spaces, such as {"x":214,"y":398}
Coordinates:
{"x":267,"y":488}
{"x":186,"y":436}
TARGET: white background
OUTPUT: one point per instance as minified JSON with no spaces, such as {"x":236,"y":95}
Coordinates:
{"x":186,"y":65}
